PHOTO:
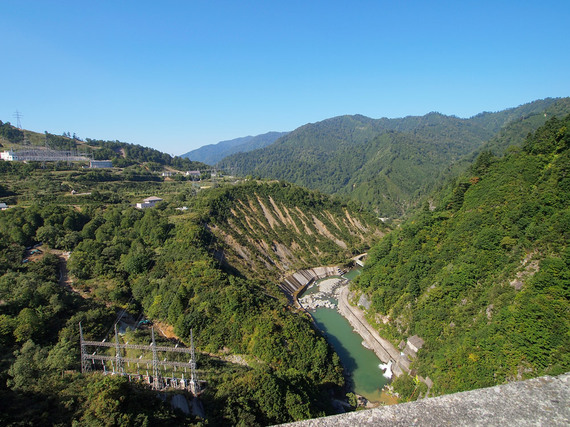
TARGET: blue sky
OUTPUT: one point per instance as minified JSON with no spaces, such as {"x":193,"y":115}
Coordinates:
{"x":176,"y":75}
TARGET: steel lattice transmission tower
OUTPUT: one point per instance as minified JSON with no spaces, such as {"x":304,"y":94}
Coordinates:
{"x":121,"y":360}
{"x":18,"y":116}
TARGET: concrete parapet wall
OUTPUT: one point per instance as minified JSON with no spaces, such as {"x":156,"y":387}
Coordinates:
{"x":541,"y":401}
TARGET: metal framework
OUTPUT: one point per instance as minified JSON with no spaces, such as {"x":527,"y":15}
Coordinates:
{"x":18,"y":116}
{"x":48,"y":155}
{"x":156,"y":380}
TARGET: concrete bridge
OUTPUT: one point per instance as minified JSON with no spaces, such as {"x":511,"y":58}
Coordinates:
{"x":359,"y":259}
{"x":543,"y":401}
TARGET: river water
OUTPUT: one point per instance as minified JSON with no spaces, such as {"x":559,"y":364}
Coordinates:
{"x":360,"y":363}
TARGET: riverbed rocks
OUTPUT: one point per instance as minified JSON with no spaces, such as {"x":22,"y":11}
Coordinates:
{"x":328,"y":290}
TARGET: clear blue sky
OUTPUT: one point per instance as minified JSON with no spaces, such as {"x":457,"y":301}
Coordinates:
{"x":176,"y":75}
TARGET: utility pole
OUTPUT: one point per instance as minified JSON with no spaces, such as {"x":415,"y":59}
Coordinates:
{"x":84,"y":365}
{"x":155,"y":372}
{"x":193,"y":378}
{"x":118,"y":361}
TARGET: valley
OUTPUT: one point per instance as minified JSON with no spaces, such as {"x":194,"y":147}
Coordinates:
{"x":465,"y":223}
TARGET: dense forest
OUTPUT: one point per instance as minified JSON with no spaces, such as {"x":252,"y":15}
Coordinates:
{"x":124,"y":154}
{"x":162,"y":263}
{"x":389,"y":165}
{"x":10,"y":133}
{"x":482,"y":273}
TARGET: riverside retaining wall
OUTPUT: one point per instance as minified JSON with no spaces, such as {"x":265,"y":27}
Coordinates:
{"x":381,"y":347}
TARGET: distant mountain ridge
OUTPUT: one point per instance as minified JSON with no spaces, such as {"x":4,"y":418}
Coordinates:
{"x":213,"y":153}
{"x":387,"y":164}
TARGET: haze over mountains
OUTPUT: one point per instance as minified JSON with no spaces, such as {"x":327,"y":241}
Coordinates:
{"x":213,"y":153}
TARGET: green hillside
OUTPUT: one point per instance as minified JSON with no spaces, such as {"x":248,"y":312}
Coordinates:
{"x":165,"y":263}
{"x":387,"y":164}
{"x":122,"y":154}
{"x":268,"y":229}
{"x":480,"y":271}
{"x":484,"y":278}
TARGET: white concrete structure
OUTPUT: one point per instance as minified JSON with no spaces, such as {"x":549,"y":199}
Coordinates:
{"x":8,"y":156}
{"x":415,"y":343}
{"x":149,"y":202}
{"x":193,"y":174}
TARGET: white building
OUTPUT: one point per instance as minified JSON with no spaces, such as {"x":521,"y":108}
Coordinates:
{"x":193,"y":174}
{"x":3,"y":206}
{"x":149,"y":202}
{"x":8,"y":156}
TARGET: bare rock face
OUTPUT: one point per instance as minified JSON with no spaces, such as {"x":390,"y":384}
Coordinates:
{"x":364,"y":301}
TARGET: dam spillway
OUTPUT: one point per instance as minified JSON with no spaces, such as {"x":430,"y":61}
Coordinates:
{"x":295,"y":282}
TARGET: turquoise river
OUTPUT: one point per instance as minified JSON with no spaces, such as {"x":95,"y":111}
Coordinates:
{"x":360,"y":363}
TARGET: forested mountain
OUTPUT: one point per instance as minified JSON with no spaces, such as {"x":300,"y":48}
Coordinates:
{"x":483,"y":275}
{"x":211,"y":154}
{"x":124,"y":154}
{"x":386,"y":164}
{"x":10,"y":133}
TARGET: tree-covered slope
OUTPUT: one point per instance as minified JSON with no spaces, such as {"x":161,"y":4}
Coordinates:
{"x":345,"y":155}
{"x":517,"y":129}
{"x":495,"y":121}
{"x":484,"y":278}
{"x":167,"y":264}
{"x":384,"y":163}
{"x":211,"y":154}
